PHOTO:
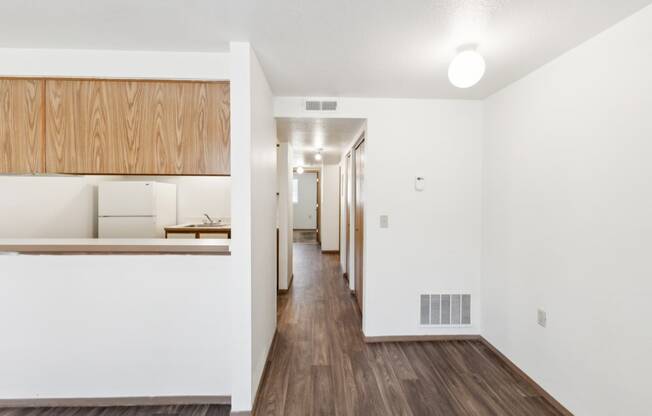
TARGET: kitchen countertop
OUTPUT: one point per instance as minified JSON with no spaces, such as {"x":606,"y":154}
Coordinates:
{"x":192,"y":228}
{"x":114,"y":246}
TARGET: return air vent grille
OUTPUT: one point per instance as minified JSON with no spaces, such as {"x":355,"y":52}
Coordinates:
{"x":445,"y":309}
{"x":312,"y":105}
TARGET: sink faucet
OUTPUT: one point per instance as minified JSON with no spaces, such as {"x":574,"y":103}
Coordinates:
{"x":210,"y":220}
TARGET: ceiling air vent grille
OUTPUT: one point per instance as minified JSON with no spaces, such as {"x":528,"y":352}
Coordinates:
{"x":312,"y":105}
{"x":445,"y":310}
{"x":329,"y":105}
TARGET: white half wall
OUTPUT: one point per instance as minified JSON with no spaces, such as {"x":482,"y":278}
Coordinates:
{"x":87,"y":326}
{"x":433,"y":241}
{"x":330,"y":212}
{"x":285,"y":214}
{"x":567,"y":224}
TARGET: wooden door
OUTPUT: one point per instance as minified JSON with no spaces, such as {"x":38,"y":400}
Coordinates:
{"x":347,"y":215}
{"x":21,"y":126}
{"x":138,"y":127}
{"x":359,"y":220}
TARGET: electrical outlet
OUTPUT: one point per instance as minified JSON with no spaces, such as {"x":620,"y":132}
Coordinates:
{"x":542,"y":317}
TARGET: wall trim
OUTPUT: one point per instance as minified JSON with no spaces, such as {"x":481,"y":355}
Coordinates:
{"x":558,"y":406}
{"x":421,"y":338}
{"x":115,"y":401}
{"x":285,"y":291}
{"x":262,"y":377}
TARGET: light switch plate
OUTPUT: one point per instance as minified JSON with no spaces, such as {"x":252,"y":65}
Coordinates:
{"x":420,"y":183}
{"x":384,"y":221}
{"x":542,"y":317}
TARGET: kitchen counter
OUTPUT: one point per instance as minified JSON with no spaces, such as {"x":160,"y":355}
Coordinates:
{"x":115,"y":246}
{"x":198,"y":229}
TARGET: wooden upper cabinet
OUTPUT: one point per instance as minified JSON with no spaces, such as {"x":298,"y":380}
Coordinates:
{"x":137,"y":127}
{"x":21,"y":126}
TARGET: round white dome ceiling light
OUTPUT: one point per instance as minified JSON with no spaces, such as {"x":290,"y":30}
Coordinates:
{"x":466,"y":69}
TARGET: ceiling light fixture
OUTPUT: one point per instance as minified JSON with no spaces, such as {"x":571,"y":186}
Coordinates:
{"x":318,"y":155}
{"x":300,"y":170}
{"x":466,"y":69}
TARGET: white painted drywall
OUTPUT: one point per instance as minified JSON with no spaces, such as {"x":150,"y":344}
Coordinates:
{"x":433,"y":241}
{"x":253,"y":214}
{"x":567,"y":224}
{"x":263,"y":226}
{"x":113,"y":64}
{"x":66,"y":206}
{"x":330,"y":215}
{"x":305,"y":209}
{"x":114,"y":326}
{"x":285,"y":214}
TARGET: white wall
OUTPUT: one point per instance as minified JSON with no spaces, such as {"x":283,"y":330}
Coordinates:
{"x":253,"y":208}
{"x":66,"y":206}
{"x":567,"y":224}
{"x":113,"y":64}
{"x":433,"y":240}
{"x":330,"y":214}
{"x":305,"y":210}
{"x":114,"y":326}
{"x":263,"y":200}
{"x":285,"y":214}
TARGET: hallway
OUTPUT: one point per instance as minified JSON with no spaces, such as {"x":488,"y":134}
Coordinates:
{"x":320,"y":364}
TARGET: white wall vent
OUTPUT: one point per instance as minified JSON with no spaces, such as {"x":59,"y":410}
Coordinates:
{"x":445,"y":309}
{"x":329,"y":105}
{"x":312,"y":105}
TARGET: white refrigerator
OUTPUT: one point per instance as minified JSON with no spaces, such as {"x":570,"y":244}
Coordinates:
{"x":135,"y":209}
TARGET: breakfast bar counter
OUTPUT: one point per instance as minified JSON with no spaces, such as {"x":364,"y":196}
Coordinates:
{"x":115,"y":246}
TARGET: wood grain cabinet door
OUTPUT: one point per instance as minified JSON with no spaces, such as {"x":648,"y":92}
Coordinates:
{"x":138,"y":127}
{"x":21,"y":126}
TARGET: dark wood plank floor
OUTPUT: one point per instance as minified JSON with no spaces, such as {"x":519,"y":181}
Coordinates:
{"x":320,"y":365}
{"x":185,"y":410}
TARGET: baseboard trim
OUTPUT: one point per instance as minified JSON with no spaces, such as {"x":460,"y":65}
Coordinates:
{"x":115,"y":401}
{"x":285,"y":291}
{"x":262,"y":378}
{"x":330,"y":252}
{"x":421,"y":338}
{"x":558,"y":406}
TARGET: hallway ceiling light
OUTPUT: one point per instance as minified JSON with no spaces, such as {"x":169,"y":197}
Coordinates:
{"x":466,"y":69}
{"x":299,"y":170}
{"x":318,"y":155}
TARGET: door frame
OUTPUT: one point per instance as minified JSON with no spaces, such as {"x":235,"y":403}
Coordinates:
{"x":359,"y":277}
{"x":347,"y":214}
{"x":318,"y":208}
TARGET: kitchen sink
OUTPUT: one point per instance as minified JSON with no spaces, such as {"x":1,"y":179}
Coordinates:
{"x":212,"y":225}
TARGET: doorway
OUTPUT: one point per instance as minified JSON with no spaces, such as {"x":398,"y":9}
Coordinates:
{"x":347,"y":216}
{"x":306,"y":198}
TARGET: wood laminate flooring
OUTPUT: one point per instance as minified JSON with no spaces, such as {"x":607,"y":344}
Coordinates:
{"x":320,"y":364}
{"x":185,"y":410}
{"x":305,"y":236}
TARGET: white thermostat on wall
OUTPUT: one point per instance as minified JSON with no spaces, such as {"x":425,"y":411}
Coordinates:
{"x":420,"y":183}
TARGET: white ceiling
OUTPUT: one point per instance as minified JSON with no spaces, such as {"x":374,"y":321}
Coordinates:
{"x":308,"y":135}
{"x":380,"y":48}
